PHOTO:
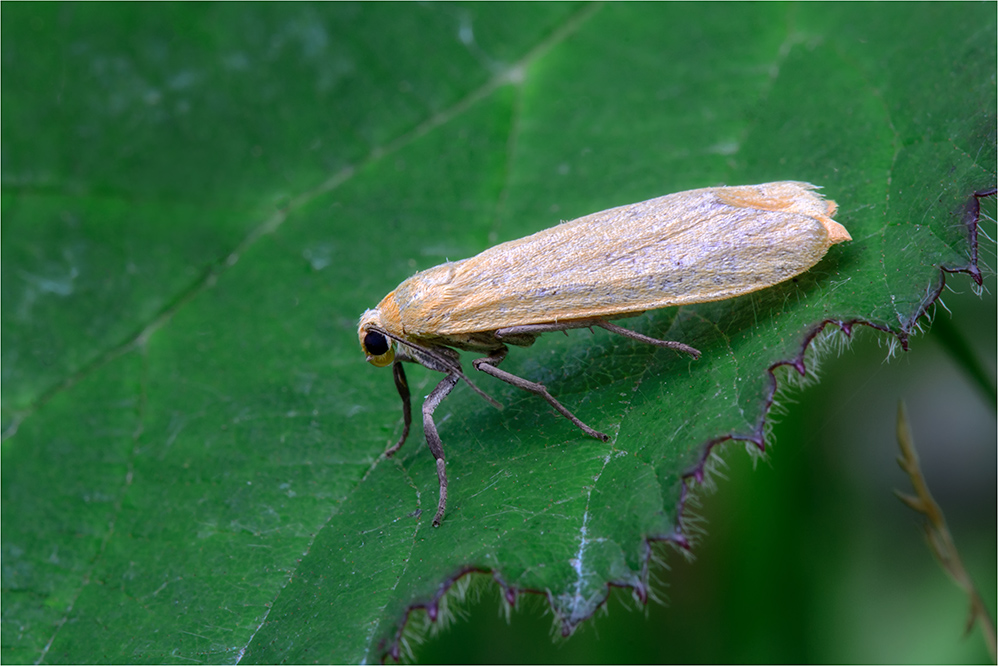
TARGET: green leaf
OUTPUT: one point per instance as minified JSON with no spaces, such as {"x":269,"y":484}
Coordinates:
{"x":200,"y":200}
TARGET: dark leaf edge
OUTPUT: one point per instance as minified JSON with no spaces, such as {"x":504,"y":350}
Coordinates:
{"x":682,"y":536}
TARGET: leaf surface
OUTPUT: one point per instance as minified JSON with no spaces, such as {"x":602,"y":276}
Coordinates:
{"x":200,"y":200}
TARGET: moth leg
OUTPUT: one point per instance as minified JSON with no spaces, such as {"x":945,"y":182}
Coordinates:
{"x":535,"y":330}
{"x":513,"y":332}
{"x":433,"y":439}
{"x":668,"y":344}
{"x":488,"y":365}
{"x":403,"y":388}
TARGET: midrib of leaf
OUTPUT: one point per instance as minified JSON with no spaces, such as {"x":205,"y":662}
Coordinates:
{"x":512,"y":75}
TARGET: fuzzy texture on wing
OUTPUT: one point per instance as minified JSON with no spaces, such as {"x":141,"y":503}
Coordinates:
{"x":689,"y":247}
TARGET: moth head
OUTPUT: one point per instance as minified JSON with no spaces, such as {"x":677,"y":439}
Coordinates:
{"x":377,"y":347}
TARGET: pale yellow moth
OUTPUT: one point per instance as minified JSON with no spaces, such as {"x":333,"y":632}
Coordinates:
{"x":689,"y":247}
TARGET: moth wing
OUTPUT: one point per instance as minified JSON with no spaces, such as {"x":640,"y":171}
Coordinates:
{"x":690,"y":247}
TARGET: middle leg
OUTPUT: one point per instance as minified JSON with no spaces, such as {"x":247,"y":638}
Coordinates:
{"x":488,"y":365}
{"x":433,"y":439}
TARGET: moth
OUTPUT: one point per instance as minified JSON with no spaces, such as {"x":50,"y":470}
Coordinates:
{"x":690,"y":247}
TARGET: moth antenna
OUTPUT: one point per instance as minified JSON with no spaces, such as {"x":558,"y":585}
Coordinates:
{"x":451,"y":364}
{"x":492,"y":401}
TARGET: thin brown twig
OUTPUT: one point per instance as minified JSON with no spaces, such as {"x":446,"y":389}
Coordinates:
{"x":937,"y":533}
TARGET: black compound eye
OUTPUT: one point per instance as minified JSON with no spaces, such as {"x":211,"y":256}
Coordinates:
{"x":375,"y":343}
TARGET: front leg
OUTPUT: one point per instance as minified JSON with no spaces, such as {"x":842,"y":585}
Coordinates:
{"x":403,"y":388}
{"x":488,"y":365}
